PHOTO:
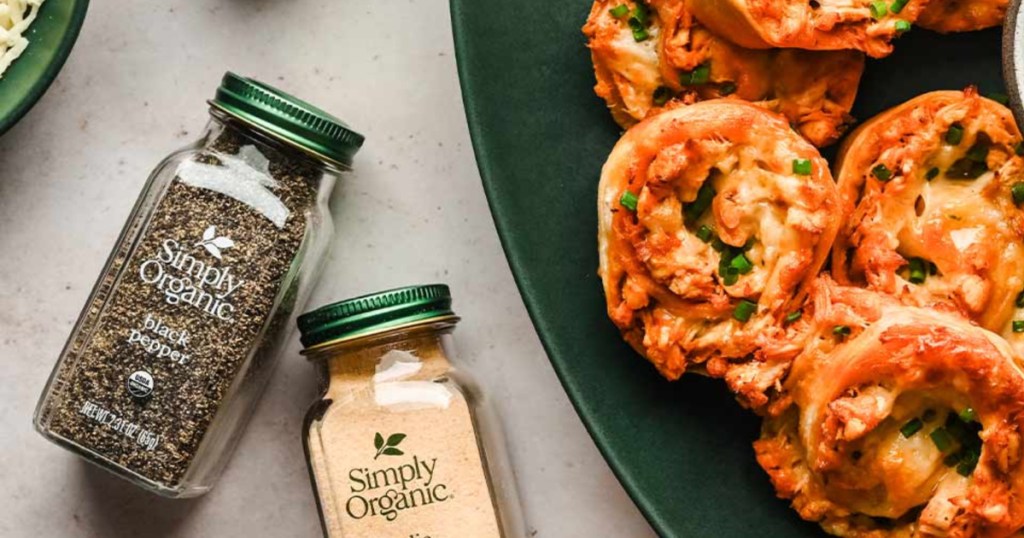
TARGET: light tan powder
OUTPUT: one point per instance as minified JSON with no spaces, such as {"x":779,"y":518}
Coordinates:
{"x":396,"y":454}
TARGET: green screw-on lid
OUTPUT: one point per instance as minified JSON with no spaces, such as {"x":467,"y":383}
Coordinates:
{"x":374,"y":313}
{"x":287,"y":118}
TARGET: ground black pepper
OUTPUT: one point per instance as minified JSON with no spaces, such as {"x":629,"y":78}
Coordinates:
{"x":187,"y":396}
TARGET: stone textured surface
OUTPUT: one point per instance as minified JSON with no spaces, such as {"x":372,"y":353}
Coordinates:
{"x":134,"y":90}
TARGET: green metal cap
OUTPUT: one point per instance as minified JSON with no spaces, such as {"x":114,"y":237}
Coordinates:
{"x":374,"y":313}
{"x":287,"y":118}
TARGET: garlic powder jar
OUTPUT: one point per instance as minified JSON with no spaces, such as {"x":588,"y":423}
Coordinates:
{"x":400,"y":444}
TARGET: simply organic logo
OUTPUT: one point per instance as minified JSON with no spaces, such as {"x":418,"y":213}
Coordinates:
{"x":387,"y":491}
{"x":389,"y":447}
{"x":195,"y":280}
{"x":214,"y":244}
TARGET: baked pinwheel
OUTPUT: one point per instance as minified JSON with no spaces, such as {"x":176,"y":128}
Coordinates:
{"x":655,"y":55}
{"x":899,"y":421}
{"x":712,"y":219}
{"x":865,"y":25}
{"x":962,"y":15}
{"x":931,"y":193}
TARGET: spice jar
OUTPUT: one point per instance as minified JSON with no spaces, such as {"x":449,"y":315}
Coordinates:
{"x":400,"y":444}
{"x":182,"y":328}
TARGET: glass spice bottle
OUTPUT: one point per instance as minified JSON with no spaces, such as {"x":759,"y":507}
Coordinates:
{"x":400,"y":444}
{"x":180,"y":333}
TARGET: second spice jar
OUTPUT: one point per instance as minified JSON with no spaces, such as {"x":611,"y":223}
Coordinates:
{"x":400,"y":444}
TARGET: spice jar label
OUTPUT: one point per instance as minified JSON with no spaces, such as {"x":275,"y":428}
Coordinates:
{"x":416,"y":473}
{"x":185,"y":312}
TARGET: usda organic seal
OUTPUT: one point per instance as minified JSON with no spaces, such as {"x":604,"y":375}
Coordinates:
{"x":140,"y":384}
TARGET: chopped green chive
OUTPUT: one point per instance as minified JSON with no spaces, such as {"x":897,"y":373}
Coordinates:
{"x":1017,"y":190}
{"x":1020,"y":300}
{"x":701,"y":203}
{"x":881,"y":172}
{"x":1018,"y":326}
{"x":699,"y":76}
{"x":951,"y":459}
{"x":744,"y":309}
{"x":841,"y":330}
{"x":662,"y":95}
{"x":968,"y":414}
{"x":718,"y":245}
{"x":802,"y":167}
{"x":741,"y":264}
{"x":639,"y":30}
{"x":730,"y":277}
{"x":879,"y":9}
{"x":968,"y":462}
{"x":642,"y":13}
{"x":619,"y":11}
{"x":793,"y":316}
{"x":942,"y":439}
{"x":912,"y":427}
{"x":931,"y":174}
{"x":898,"y":5}
{"x":705,"y":233}
{"x":727,"y":88}
{"x":918,"y":270}
{"x":902,"y":26}
{"x":628,"y":200}
{"x":955,"y":134}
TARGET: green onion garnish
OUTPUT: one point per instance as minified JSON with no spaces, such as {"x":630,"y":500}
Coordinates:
{"x":931,"y":174}
{"x":705,"y":233}
{"x":793,"y":316}
{"x":898,"y":5}
{"x":639,"y":31}
{"x":628,"y":200}
{"x":662,"y":95}
{"x":968,"y":461}
{"x":802,"y":167}
{"x":951,"y":459}
{"x":699,"y":76}
{"x":1019,"y":148}
{"x":881,"y":172}
{"x":955,"y":134}
{"x":918,"y":270}
{"x":1018,"y":326}
{"x":1017,"y":190}
{"x":902,"y":26}
{"x":619,"y":11}
{"x":968,"y":414}
{"x":741,"y":264}
{"x":1020,"y":300}
{"x":730,"y":277}
{"x":744,"y":309}
{"x":942,"y":439}
{"x":727,"y":88}
{"x":701,"y":203}
{"x":879,"y":9}
{"x":911,"y":427}
{"x":841,"y":330}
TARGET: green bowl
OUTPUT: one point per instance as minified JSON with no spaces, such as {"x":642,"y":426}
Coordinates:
{"x":50,"y":37}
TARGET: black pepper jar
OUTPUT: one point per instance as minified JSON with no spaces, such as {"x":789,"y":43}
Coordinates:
{"x":182,"y":329}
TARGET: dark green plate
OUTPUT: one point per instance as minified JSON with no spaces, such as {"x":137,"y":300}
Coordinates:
{"x":682,"y":450}
{"x":50,"y":37}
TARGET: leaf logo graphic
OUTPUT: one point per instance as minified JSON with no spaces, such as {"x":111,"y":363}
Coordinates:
{"x":389,"y":447}
{"x":213,"y":244}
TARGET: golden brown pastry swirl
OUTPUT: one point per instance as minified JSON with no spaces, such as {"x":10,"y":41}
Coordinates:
{"x":712,"y":218}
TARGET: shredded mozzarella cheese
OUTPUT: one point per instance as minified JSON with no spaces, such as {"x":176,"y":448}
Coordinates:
{"x":15,"y":18}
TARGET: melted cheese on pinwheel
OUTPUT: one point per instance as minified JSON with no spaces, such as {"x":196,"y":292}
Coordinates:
{"x":712,"y":217}
{"x":655,"y":55}
{"x":931,"y":217}
{"x":962,"y":15}
{"x":899,"y":421}
{"x":864,"y":25}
